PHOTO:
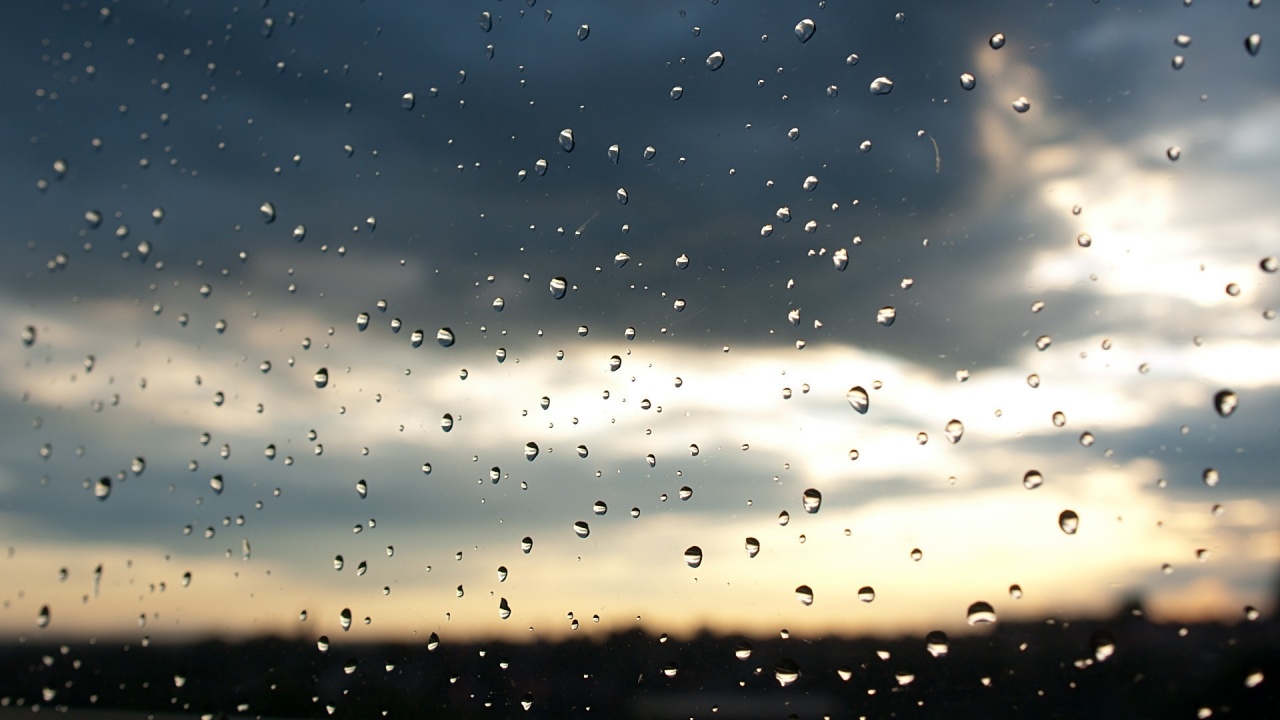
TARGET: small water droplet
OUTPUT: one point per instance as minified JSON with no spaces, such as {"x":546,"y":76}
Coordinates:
{"x":566,"y":139}
{"x":446,"y":422}
{"x":997,"y":41}
{"x":715,"y":61}
{"x":676,"y":93}
{"x":954,"y":431}
{"x":102,"y":489}
{"x":693,"y":556}
{"x":1032,"y":479}
{"x":29,"y":335}
{"x":804,"y":594}
{"x":1084,"y":240}
{"x":858,"y":399}
{"x":685,"y":493}
{"x":322,"y":377}
{"x":530,"y":451}
{"x":866,"y":593}
{"x":1173,"y":153}
{"x":1253,"y":43}
{"x":916,"y":554}
{"x":1043,"y":342}
{"x":840,"y":258}
{"x":968,"y":81}
{"x":805,"y":29}
{"x":407,"y":101}
{"x":362,"y":488}
{"x":344,"y":619}
{"x":753,"y":547}
{"x":742,"y":650}
{"x":268,"y":212}
{"x":1225,"y":402}
{"x":786,"y":672}
{"x":581,"y":528}
{"x":1103,"y":645}
{"x":937,"y":644}
{"x":1022,"y":104}
{"x":584,"y":31}
{"x":1210,"y":477}
{"x":1069,"y":522}
{"x":504,"y":610}
{"x":886,"y":315}
{"x":444,"y":336}
{"x":881,"y":86}
{"x":615,"y":362}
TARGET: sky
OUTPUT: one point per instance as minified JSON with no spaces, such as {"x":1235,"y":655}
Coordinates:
{"x":204,"y":201}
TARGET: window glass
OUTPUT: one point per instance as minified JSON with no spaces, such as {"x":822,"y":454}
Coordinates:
{"x":522,"y":357}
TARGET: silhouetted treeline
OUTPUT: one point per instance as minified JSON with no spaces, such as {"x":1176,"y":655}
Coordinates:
{"x":1125,"y":667}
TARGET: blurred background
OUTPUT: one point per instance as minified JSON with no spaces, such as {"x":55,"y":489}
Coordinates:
{"x":373,"y":324}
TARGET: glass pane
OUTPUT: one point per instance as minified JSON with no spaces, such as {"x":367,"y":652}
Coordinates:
{"x":640,"y":360}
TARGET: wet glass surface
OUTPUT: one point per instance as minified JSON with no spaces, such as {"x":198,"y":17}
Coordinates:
{"x":668,"y":332}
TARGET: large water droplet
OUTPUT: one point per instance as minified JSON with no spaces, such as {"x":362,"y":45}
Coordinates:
{"x":804,"y":594}
{"x":622,"y":196}
{"x":29,"y":335}
{"x":840,"y":258}
{"x":446,"y":422}
{"x":486,"y":21}
{"x":566,"y":139}
{"x":980,"y":613}
{"x":1253,"y":43}
{"x":584,"y":31}
{"x":693,"y":556}
{"x":812,"y":500}
{"x":1032,"y":479}
{"x":344,"y":619}
{"x":742,"y":650}
{"x":881,"y":86}
{"x":530,"y":451}
{"x":1069,"y":522}
{"x":559,"y":286}
{"x":805,"y":29}
{"x":407,"y":101}
{"x":858,"y":399}
{"x":444,"y":336}
{"x":886,"y":315}
{"x":322,"y":377}
{"x":955,"y":431}
{"x":996,"y":41}
{"x":968,"y":81}
{"x":362,"y":321}
{"x":268,"y":212}
{"x":786,"y":672}
{"x":1210,"y":477}
{"x":102,"y":489}
{"x":715,"y":61}
{"x":1225,"y":402}
{"x":581,"y":528}
{"x":866,"y":593}
{"x":416,"y":337}
{"x":504,"y":610}
{"x":1022,"y":104}
{"x":753,"y":547}
{"x":362,"y":488}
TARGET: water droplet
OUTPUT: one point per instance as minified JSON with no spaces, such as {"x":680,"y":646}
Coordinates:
{"x":685,"y":493}
{"x":300,"y":233}
{"x":416,"y":337}
{"x":362,"y":488}
{"x":344,"y":619}
{"x":615,"y":362}
{"x":916,"y":554}
{"x":102,"y":489}
{"x":840,"y":258}
{"x":29,"y":335}
{"x":1033,"y":380}
{"x":682,"y":262}
{"x":676,"y":93}
{"x":499,"y":304}
{"x":1032,"y":479}
{"x":715,"y":61}
{"x":804,"y":594}
{"x":810,"y":183}
{"x":1174,"y":152}
{"x":858,"y":399}
{"x":886,"y":315}
{"x":362,"y":321}
{"x":559,"y":287}
{"x":1251,"y":613}
{"x":1210,"y":477}
{"x":322,"y":377}
{"x":444,"y":336}
{"x":1084,"y":239}
{"x":980,"y":613}
{"x":504,"y":610}
{"x":670,"y":669}
{"x":955,"y":431}
{"x":530,"y":451}
{"x":753,"y":547}
{"x":1069,"y":522}
{"x":446,"y":422}
{"x":268,"y":212}
{"x":1225,"y":402}
{"x":742,"y":650}
{"x":786,"y":672}
{"x":621,"y":259}
{"x":866,"y":593}
{"x":1043,"y":342}
{"x":881,"y":86}
{"x":407,"y":101}
{"x":566,"y":139}
{"x":584,"y":31}
{"x":997,"y":41}
{"x":42,"y":618}
{"x":599,"y":507}
{"x":581,"y":528}
{"x":812,"y":500}
{"x":968,"y":81}
{"x":433,"y":641}
{"x":805,"y":29}
{"x":1022,"y":104}
{"x":1102,"y":644}
{"x":322,"y":643}
{"x":936,"y":643}
{"x":1253,"y":43}
{"x":693,"y":556}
